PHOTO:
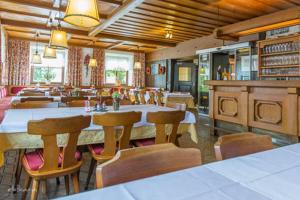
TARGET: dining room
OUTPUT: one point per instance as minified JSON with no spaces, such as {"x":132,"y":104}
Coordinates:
{"x":150,"y":99}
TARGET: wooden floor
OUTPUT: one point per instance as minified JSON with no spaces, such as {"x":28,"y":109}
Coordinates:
{"x":53,"y":190}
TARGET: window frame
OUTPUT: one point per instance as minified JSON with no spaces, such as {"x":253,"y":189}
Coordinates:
{"x":41,"y":47}
{"x":130,"y":70}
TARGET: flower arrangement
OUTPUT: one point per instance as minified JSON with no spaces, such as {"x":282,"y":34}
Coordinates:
{"x":49,"y":76}
{"x":116,"y":100}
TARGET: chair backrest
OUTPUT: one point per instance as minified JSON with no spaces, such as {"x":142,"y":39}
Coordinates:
{"x":143,"y":162}
{"x":49,"y":129}
{"x":109,"y":122}
{"x":229,"y":146}
{"x":163,"y":118}
{"x":56,"y":93}
{"x":177,"y":106}
{"x":125,"y":102}
{"x":35,"y":104}
{"x":80,"y":103}
{"x":159,"y":98}
{"x":36,"y":99}
{"x":142,"y":97}
{"x":152,"y":98}
{"x":68,"y":99}
{"x":33,"y":94}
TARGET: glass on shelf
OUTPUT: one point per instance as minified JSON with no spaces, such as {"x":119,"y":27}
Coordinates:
{"x":281,"y":47}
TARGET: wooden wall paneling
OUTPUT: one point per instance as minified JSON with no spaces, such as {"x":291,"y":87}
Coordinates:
{"x":228,"y":106}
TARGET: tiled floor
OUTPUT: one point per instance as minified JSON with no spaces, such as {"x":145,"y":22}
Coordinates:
{"x":53,"y":190}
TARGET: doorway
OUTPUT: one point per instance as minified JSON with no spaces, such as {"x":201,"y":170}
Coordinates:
{"x":185,"y":77}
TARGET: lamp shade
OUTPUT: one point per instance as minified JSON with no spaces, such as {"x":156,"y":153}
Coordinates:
{"x":36,"y":58}
{"x":83,"y":13}
{"x":49,"y":52}
{"x":93,"y":63}
{"x":137,"y":65}
{"x":58,"y":39}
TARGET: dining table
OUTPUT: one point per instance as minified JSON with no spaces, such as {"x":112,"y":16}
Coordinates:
{"x":268,"y":175}
{"x":13,"y":129}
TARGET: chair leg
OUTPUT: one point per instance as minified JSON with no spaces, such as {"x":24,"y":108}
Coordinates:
{"x":35,"y":189}
{"x":28,"y":180}
{"x":44,"y":186}
{"x":75,"y":182}
{"x":18,"y":169}
{"x":67,"y":185}
{"x":91,"y":170}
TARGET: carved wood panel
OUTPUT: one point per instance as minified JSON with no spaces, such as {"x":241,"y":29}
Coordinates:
{"x":228,"y":107}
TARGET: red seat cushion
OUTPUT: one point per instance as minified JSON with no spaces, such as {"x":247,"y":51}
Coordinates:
{"x":96,"y":148}
{"x":144,"y":142}
{"x":34,"y":160}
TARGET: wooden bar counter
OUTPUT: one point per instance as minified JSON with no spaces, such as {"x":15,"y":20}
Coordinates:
{"x":269,"y":105}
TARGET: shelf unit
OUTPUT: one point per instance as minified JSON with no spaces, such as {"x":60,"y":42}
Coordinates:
{"x":279,"y":57}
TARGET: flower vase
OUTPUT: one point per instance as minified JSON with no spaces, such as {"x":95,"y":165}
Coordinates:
{"x":116,"y":104}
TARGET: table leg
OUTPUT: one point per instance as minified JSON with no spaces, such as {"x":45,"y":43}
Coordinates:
{"x":18,"y":169}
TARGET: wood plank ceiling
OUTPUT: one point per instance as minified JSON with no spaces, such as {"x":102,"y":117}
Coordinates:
{"x":131,"y":23}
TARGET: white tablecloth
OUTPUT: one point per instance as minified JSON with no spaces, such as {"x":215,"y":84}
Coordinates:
{"x":15,"y":120}
{"x":273,"y":174}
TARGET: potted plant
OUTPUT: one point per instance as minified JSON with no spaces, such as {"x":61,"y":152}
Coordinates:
{"x":116,"y":100}
{"x":49,"y":76}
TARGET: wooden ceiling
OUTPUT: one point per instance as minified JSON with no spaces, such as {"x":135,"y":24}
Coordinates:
{"x":131,"y":23}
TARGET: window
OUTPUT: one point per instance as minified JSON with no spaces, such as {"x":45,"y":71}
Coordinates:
{"x":51,"y":70}
{"x":118,"y":68}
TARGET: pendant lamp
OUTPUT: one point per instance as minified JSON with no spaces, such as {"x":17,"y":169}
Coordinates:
{"x":82,"y":13}
{"x":49,"y":52}
{"x":93,"y":62}
{"x":36,"y":57}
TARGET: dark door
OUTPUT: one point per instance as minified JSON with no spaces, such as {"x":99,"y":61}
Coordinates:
{"x":185,"y":78}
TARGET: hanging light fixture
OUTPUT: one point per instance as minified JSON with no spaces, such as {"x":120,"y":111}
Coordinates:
{"x":82,"y":13}
{"x":137,"y":64}
{"x":36,"y":57}
{"x":58,"y":39}
{"x":49,"y":52}
{"x":93,"y":61}
{"x":169,"y":34}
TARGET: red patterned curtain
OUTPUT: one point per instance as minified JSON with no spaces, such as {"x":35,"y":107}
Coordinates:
{"x":75,"y":63}
{"x":18,"y":52}
{"x":97,"y":73}
{"x":139,"y":74}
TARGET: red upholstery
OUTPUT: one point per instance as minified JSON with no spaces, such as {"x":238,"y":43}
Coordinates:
{"x":34,"y":160}
{"x":96,"y":148}
{"x":4,"y":105}
{"x":15,"y":89}
{"x":144,"y":142}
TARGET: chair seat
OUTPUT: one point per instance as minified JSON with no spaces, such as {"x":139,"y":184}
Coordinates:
{"x":144,"y":142}
{"x":97,"y":149}
{"x":34,"y":160}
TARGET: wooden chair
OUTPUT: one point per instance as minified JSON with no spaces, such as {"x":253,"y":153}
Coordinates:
{"x":142,"y":97}
{"x":177,"y":106}
{"x":161,"y":119}
{"x":33,"y":94}
{"x":109,"y":121}
{"x":35,"y":104}
{"x":159,"y":98}
{"x":229,"y":146}
{"x":125,"y":102}
{"x":152,"y":98}
{"x":56,"y":93}
{"x":68,"y":99}
{"x":52,"y":161}
{"x":48,"y":99}
{"x":80,"y":103}
{"x":142,"y":162}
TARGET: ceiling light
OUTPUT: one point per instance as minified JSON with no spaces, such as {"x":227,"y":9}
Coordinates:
{"x":36,"y":57}
{"x":169,"y":34}
{"x":49,"y":52}
{"x":58,"y":39}
{"x":93,"y":62}
{"x":82,"y":13}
